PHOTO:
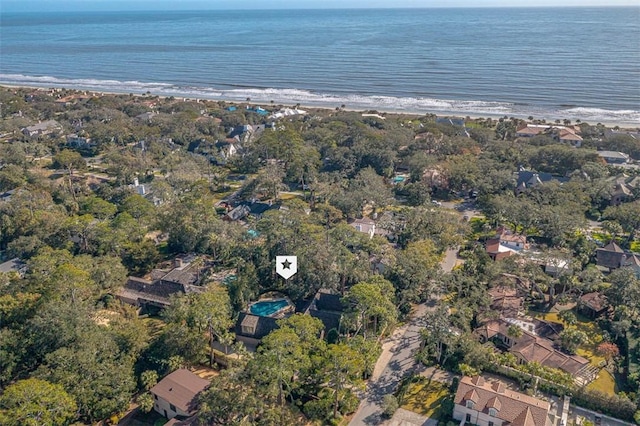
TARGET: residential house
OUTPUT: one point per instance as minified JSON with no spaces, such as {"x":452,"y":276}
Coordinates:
{"x":75,"y":141}
{"x":505,"y":243}
{"x":183,"y":278}
{"x":624,"y":189}
{"x":480,"y":402}
{"x":258,"y":209}
{"x":228,"y":148}
{"x":633,"y":262}
{"x":526,"y":179}
{"x":531,"y":130}
{"x":506,"y":301}
{"x":568,"y":135}
{"x":612,"y":256}
{"x":250,"y":329}
{"x":555,"y":267}
{"x":287,"y":112}
{"x":258,"y":110}
{"x":614,"y":157}
{"x":609,"y":133}
{"x":328,"y":308}
{"x":528,"y":347}
{"x":176,"y":394}
{"x":364,"y":225}
{"x":237,"y":213}
{"x":190,"y":421}
{"x":247,"y":132}
{"x":435,"y":178}
{"x":71,"y":99}
{"x":592,"y":305}
{"x":43,"y":128}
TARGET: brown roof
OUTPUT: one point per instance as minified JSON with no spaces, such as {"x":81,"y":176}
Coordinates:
{"x":610,"y":256}
{"x":180,"y":389}
{"x":633,"y":260}
{"x":567,"y":134}
{"x":524,"y":419}
{"x":612,"y":247}
{"x":530,"y":130}
{"x":512,"y":407}
{"x":534,"y":348}
{"x":505,"y":300}
{"x":595,"y":301}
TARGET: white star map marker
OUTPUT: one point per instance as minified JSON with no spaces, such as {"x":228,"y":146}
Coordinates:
{"x":286,"y":266}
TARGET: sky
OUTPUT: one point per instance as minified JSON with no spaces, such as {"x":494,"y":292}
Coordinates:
{"x":112,"y":5}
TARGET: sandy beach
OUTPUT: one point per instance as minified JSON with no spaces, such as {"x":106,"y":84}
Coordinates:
{"x":326,"y":107}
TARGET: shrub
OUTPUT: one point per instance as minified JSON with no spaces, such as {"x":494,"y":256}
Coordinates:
{"x":389,"y":405}
{"x":613,"y":405}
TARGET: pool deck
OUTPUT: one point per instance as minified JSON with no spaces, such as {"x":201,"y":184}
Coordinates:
{"x":280,"y":313}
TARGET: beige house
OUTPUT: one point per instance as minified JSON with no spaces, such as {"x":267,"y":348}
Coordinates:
{"x":484,"y":403}
{"x":175,"y":395}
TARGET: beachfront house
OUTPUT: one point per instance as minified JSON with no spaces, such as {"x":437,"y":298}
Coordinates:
{"x":614,"y":157}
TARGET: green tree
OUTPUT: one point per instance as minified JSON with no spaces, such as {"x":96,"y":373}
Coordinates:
{"x":343,"y":370}
{"x":627,"y":215}
{"x":149,"y":379}
{"x":95,"y":373}
{"x":371,"y":302}
{"x":571,"y":338}
{"x":145,"y":402}
{"x":70,"y":161}
{"x":280,"y":359}
{"x":415,"y":271}
{"x":35,"y":402}
{"x":191,"y":316}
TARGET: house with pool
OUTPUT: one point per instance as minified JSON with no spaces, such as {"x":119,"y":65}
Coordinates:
{"x":260,"y":318}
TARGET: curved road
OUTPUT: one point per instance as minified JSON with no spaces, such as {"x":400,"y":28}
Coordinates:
{"x":396,"y":361}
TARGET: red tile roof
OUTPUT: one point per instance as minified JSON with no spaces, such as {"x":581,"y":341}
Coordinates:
{"x":513,"y":407}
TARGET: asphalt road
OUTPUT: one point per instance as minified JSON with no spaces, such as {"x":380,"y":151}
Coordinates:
{"x":404,"y":343}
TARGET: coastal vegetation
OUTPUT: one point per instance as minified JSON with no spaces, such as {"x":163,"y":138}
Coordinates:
{"x":124,"y":185}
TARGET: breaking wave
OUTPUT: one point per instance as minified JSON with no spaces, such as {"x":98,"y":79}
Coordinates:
{"x":328,"y":100}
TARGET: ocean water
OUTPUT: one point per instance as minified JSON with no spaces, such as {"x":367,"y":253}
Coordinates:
{"x":545,"y":62}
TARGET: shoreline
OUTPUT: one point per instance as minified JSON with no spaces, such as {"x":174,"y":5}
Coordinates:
{"x":358,"y":108}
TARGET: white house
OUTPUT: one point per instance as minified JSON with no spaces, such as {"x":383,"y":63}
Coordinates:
{"x":175,"y":395}
{"x":364,"y":225}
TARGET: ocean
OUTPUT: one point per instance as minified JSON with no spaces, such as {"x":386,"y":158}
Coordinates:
{"x":554,"y":63}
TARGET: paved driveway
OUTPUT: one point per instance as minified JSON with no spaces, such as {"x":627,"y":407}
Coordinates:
{"x":397,"y":360}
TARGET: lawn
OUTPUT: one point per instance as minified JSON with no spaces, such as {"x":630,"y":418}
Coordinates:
{"x":590,"y":328}
{"x":426,"y":397}
{"x":290,"y":195}
{"x":605,"y":381}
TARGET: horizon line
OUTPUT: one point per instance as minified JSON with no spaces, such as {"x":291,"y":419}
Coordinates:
{"x":17,"y":10}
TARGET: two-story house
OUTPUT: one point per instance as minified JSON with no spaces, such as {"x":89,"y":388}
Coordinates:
{"x":485,"y":403}
{"x":176,"y":394}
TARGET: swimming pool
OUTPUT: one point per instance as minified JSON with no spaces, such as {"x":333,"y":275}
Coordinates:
{"x":266,"y":308}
